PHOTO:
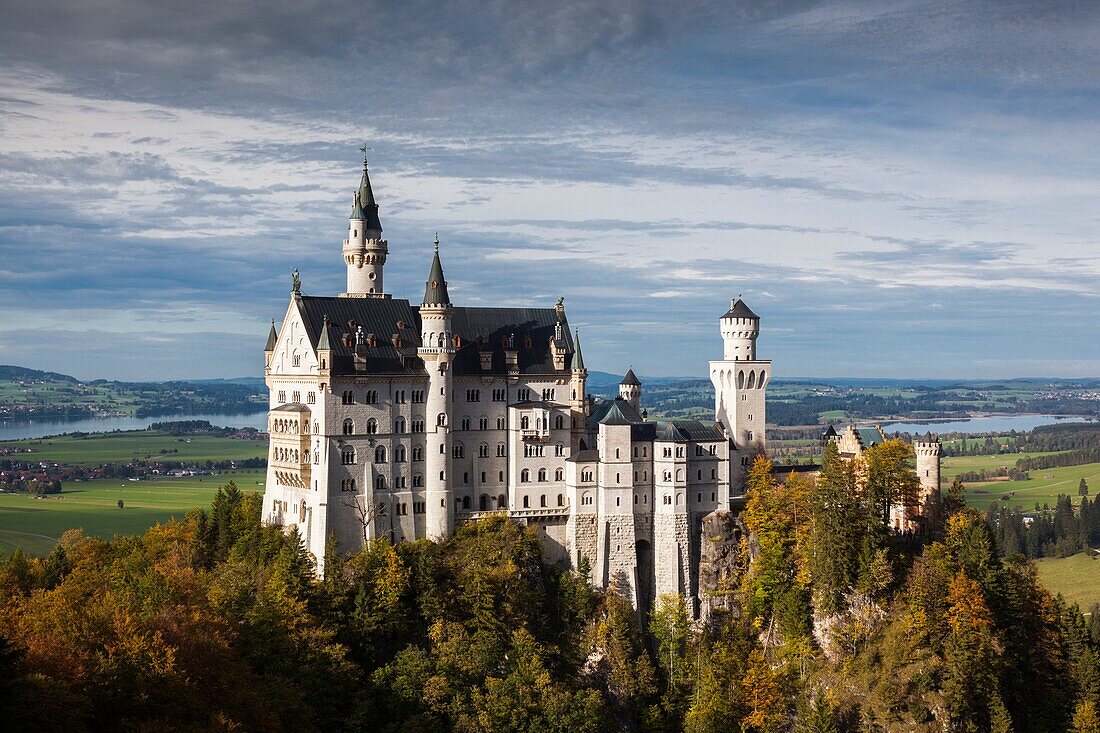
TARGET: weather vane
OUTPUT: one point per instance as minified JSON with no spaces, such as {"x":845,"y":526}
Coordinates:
{"x":363,"y":149}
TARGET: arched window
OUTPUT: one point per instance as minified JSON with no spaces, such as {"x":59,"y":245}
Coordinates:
{"x":372,"y":426}
{"x":418,"y":480}
{"x":561,"y":500}
{"x":542,"y":501}
{"x":380,"y":483}
{"x":465,"y":423}
{"x":483,"y":450}
{"x":441,"y":419}
{"x":399,"y":454}
{"x":524,"y":423}
{"x":500,"y":501}
{"x":483,"y":503}
{"x":349,"y":427}
{"x":559,"y":423}
{"x":542,"y":474}
{"x":380,"y":454}
{"x":559,"y":474}
{"x":525,"y":476}
{"x":526,"y":502}
{"x":418,"y":453}
{"x":465,"y":502}
{"x":399,"y":425}
{"x":347,"y":455}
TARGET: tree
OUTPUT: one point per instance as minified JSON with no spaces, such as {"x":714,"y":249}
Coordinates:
{"x":121,"y":504}
{"x":1083,"y":487}
{"x":891,"y":482}
{"x":1086,"y":719}
{"x":669,"y":626}
{"x":835,"y":533}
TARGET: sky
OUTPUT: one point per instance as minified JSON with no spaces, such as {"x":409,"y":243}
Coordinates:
{"x":901,"y":189}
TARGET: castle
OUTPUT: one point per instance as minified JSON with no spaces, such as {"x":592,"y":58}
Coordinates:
{"x":401,"y":421}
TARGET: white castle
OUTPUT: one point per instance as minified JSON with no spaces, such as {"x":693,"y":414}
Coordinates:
{"x":399,"y":421}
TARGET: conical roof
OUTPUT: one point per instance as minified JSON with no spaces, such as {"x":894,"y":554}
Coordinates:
{"x":272,"y":338}
{"x":324,"y":342}
{"x":578,"y":359}
{"x":435,"y":289}
{"x":631,"y":379}
{"x":365,"y":204}
{"x":738,"y":309}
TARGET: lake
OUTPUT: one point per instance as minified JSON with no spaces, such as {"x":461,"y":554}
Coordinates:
{"x":19,"y":429}
{"x":986,"y":424}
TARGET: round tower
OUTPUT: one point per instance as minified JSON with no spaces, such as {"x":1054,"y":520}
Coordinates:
{"x":437,"y":351}
{"x":928,"y":451}
{"x":739,"y":327}
{"x":364,"y":250}
{"x":630,"y":389}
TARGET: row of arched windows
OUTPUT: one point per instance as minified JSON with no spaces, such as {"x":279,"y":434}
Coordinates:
{"x":753,"y":381}
{"x":525,"y":475}
{"x":282,"y":425}
{"x":287,"y":455}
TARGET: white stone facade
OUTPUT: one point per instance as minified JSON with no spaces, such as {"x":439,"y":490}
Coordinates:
{"x":397,"y":421}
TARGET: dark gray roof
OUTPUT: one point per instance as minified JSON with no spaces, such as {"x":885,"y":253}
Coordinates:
{"x":378,"y":316}
{"x":381,"y":316}
{"x":631,"y":379}
{"x":584,"y":456}
{"x":614,"y":414}
{"x":367,"y":208}
{"x":272,"y":338}
{"x":869,"y":437}
{"x":291,"y":407}
{"x":738,"y":309}
{"x":688,"y":431}
{"x":435,"y":289}
{"x":578,"y":359}
{"x":830,"y":433}
{"x":527,"y":331}
{"x":601,"y":407}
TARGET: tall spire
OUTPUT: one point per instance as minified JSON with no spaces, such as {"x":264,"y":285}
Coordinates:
{"x":435,"y":289}
{"x":365,"y":203}
{"x":578,"y":360}
{"x":272,"y":337}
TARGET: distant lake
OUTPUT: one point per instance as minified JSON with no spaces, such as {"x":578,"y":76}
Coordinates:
{"x":988,"y":424}
{"x":19,"y":429}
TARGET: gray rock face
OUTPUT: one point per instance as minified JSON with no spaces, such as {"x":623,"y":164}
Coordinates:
{"x":720,"y":562}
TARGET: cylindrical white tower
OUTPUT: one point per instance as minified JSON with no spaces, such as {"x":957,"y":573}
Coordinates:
{"x":364,"y":250}
{"x":928,"y":451}
{"x":740,"y":327}
{"x":437,"y":352}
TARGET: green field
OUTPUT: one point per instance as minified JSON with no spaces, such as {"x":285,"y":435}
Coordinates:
{"x":1077,"y":578}
{"x":1044,"y":487}
{"x":97,"y":448}
{"x":35,"y":524}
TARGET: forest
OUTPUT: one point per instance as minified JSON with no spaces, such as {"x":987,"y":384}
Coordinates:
{"x":218,"y":623}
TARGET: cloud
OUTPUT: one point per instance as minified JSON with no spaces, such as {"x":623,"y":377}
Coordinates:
{"x":897,"y":186}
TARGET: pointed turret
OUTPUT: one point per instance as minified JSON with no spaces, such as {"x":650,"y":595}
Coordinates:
{"x":578,"y":358}
{"x":630,"y":389}
{"x":435,"y":289}
{"x":324,"y":342}
{"x":365,"y":199}
{"x":364,"y":250}
{"x":272,"y":338}
{"x":631,"y":379}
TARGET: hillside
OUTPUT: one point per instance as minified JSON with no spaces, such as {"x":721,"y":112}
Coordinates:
{"x":27,"y":394}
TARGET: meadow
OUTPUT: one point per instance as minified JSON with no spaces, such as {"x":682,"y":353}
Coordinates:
{"x":94,"y":449}
{"x":35,"y":524}
{"x":1043,"y":488}
{"x":1076,"y":577}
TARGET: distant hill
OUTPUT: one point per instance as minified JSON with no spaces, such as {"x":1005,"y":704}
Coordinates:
{"x":9,"y":372}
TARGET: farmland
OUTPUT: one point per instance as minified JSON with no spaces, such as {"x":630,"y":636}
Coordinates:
{"x":97,"y":448}
{"x":1043,"y":488}
{"x":1076,"y":577}
{"x":35,"y":523}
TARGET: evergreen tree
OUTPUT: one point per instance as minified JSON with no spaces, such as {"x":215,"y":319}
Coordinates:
{"x":836,"y":524}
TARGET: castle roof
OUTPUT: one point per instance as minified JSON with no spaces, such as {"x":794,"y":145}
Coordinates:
{"x":687,"y":431}
{"x":578,"y":359}
{"x":435,"y":289}
{"x":738,"y":309}
{"x":365,"y":204}
{"x":614,"y":414}
{"x":631,"y":379}
{"x":601,"y":407}
{"x":869,"y":437}
{"x":272,"y":338}
{"x":527,"y":330}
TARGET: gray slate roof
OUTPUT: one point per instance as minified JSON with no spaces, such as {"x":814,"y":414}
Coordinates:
{"x":600,"y":408}
{"x":738,"y":309}
{"x":272,"y":338}
{"x":631,"y":379}
{"x":380,"y":316}
{"x":365,"y":204}
{"x":435,"y":289}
